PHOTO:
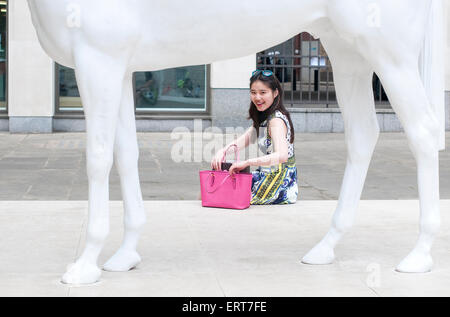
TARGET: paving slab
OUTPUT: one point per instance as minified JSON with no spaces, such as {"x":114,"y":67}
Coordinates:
{"x":192,"y":251}
{"x":59,"y":158}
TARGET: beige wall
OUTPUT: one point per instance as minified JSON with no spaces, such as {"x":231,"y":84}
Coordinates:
{"x":30,"y":79}
{"x":447,"y":85}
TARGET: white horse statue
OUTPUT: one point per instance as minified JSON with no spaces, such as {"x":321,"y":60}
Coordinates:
{"x":105,"y":41}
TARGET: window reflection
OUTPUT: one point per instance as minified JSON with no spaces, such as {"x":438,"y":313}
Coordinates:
{"x":177,"y":89}
{"x":3,"y":77}
{"x":69,"y":97}
{"x":171,"y":90}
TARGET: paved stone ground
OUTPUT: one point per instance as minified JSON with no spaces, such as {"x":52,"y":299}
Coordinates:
{"x":53,"y":167}
{"x":191,"y":251}
{"x":188,"y":250}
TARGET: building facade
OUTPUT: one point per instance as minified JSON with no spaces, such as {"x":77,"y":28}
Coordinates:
{"x":39,"y":96}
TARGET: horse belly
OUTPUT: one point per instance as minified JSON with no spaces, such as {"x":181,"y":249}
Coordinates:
{"x":163,"y":34}
{"x":156,"y":55}
{"x":369,"y":24}
{"x":49,"y":20}
{"x":65,"y":26}
{"x":204,"y":34}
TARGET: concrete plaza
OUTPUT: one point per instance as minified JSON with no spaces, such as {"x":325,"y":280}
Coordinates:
{"x":53,"y":167}
{"x":192,"y":251}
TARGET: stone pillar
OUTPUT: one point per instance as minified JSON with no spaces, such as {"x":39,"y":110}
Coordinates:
{"x":447,"y":84}
{"x":230,"y":96}
{"x":447,"y":72}
{"x":31,"y":95}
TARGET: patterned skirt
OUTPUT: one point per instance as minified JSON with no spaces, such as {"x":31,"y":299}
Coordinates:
{"x":275,"y":185}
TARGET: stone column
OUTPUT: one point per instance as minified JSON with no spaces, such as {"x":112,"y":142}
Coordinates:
{"x":31,"y":95}
{"x":230,"y":96}
{"x":447,"y":75}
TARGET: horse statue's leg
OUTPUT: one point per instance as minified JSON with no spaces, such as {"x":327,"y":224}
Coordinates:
{"x":353,"y":81}
{"x":100,"y":80}
{"x":408,"y":98}
{"x":126,"y":153}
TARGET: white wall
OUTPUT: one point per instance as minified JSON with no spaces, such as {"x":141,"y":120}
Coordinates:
{"x":31,"y":71}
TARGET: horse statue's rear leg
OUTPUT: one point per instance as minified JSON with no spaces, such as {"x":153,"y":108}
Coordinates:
{"x":353,"y":81}
{"x":126,"y":153}
{"x":408,"y":97}
{"x":100,"y":80}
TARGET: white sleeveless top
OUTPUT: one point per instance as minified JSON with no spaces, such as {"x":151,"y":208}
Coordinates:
{"x":265,"y":141}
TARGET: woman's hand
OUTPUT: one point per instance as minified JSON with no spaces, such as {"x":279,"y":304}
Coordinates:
{"x":216,"y":163}
{"x":238,"y":166}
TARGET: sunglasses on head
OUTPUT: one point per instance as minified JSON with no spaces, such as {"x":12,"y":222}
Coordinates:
{"x":266,"y":73}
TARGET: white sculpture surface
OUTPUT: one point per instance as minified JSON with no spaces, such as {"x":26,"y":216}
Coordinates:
{"x":107,"y":40}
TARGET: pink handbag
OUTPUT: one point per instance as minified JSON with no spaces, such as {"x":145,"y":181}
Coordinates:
{"x":221,"y":190}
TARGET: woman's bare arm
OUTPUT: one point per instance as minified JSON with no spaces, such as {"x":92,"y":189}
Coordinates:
{"x":242,"y":142}
{"x":245,"y":139}
{"x":278,"y":131}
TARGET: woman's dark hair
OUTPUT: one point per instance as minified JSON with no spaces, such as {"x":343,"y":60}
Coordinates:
{"x":259,"y":117}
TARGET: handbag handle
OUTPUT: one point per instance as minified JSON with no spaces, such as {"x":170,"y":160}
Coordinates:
{"x":223,"y":182}
{"x":236,"y":153}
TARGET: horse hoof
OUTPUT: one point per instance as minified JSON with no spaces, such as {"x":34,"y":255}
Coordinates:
{"x":319,"y":255}
{"x":416,"y":262}
{"x":81,"y":273}
{"x":122,"y":261}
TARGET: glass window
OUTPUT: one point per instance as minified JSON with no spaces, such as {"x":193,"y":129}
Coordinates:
{"x":180,"y":89}
{"x":171,"y":90}
{"x":68,"y":96}
{"x":3,"y":53}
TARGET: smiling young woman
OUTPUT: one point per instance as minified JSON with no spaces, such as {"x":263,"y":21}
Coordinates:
{"x":275,"y":179}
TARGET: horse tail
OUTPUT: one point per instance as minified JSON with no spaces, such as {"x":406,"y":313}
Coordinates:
{"x":433,"y":64}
